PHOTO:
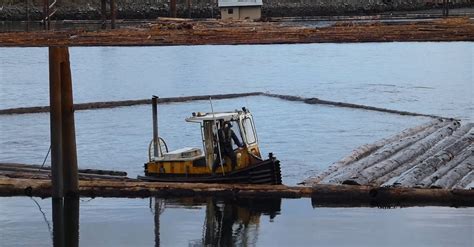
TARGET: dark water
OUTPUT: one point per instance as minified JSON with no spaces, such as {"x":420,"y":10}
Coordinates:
{"x":225,"y":222}
{"x":431,"y":78}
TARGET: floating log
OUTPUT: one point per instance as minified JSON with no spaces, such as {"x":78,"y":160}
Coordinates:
{"x":467,"y":182}
{"x":391,"y":177}
{"x":84,"y":171}
{"x":316,"y":101}
{"x":378,"y":156}
{"x":428,"y":181}
{"x":45,"y":174}
{"x":122,"y":103}
{"x":430,"y":165}
{"x":321,"y":193}
{"x":455,"y":174}
{"x":379,"y":169}
{"x":367,"y":149}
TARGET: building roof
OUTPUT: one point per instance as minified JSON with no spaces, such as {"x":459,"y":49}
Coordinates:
{"x":199,"y":116}
{"x":239,"y":3}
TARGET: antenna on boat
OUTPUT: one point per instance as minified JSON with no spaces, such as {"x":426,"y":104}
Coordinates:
{"x":217,"y":134}
{"x":156,"y":141}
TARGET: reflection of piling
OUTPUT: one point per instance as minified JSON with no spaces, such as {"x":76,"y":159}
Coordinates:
{"x":65,"y":222}
{"x":63,"y":143}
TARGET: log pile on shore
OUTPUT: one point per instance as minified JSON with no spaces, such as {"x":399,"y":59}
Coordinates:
{"x":437,"y":154}
{"x":217,"y":32}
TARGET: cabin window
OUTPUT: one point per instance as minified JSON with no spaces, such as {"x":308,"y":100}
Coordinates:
{"x":230,"y":11}
{"x":249,"y":131}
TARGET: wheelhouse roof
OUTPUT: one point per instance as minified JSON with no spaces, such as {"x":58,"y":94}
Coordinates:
{"x":199,"y":116}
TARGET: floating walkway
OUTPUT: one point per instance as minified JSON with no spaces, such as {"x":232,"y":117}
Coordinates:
{"x":437,"y":154}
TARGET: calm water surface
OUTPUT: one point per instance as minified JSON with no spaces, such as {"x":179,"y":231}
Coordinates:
{"x":431,"y":78}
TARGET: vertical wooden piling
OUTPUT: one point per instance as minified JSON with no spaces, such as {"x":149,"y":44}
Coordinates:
{"x":45,"y":13}
{"x":55,"y":59}
{"x":103,"y":13}
{"x":71,"y":222}
{"x":64,"y":177}
{"x":113,"y":13}
{"x":173,"y":8}
{"x":71,"y":186}
{"x":27,"y":10}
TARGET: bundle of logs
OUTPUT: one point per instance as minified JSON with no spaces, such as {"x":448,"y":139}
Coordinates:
{"x":437,"y":154}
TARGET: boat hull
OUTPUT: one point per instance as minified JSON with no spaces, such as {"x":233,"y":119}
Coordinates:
{"x":265,"y":172}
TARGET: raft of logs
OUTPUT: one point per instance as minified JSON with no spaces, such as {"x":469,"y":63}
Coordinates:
{"x":437,"y":154}
{"x":218,"y":32}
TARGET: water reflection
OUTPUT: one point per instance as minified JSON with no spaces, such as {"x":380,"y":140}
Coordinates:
{"x":65,"y":222}
{"x":227,"y":222}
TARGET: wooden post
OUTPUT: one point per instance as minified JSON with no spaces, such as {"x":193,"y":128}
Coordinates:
{"x":103,"y":13}
{"x":189,"y":9}
{"x":55,"y":59}
{"x":113,"y":13}
{"x":45,"y":13}
{"x":64,"y":174}
{"x":173,"y":8}
{"x":71,"y":186}
{"x":27,"y":9}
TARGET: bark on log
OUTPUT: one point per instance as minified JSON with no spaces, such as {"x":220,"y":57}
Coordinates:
{"x":465,"y":182}
{"x":369,"y":174}
{"x":455,"y":174}
{"x":422,"y":170}
{"x":367,"y":149}
{"x":443,"y":170}
{"x":391,"y":177}
{"x":322,"y":193}
{"x":382,"y":154}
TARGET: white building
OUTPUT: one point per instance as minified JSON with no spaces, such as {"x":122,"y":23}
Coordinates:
{"x":240,"y":9}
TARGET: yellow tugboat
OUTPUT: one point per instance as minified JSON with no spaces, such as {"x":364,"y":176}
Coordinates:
{"x":218,"y":161}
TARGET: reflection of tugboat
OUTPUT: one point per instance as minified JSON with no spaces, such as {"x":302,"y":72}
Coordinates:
{"x":228,"y":222}
{"x":191,"y":165}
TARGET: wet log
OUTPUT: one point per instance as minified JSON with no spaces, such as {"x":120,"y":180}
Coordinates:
{"x":16,"y":172}
{"x":467,"y":182}
{"x":122,"y":103}
{"x":391,"y":177}
{"x":382,"y":154}
{"x":84,"y":171}
{"x":456,"y":174}
{"x":369,"y":174}
{"x":367,"y":149}
{"x":430,"y":165}
{"x":443,"y":170}
{"x":320,"y":193}
{"x":316,"y":101}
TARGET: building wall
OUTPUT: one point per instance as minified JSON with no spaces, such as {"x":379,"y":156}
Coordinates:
{"x":250,"y":12}
{"x":225,"y":13}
